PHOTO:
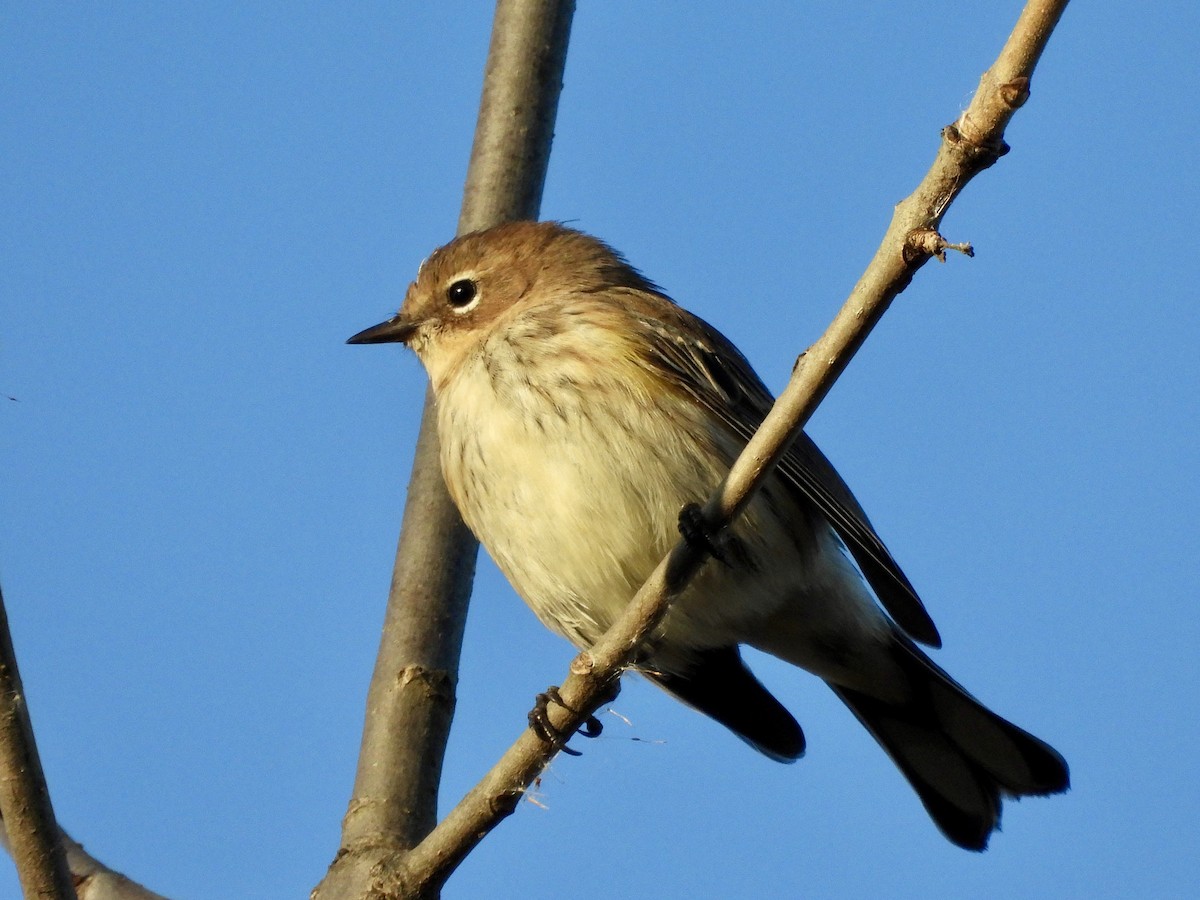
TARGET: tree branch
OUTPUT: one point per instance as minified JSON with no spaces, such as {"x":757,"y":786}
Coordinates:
{"x":96,"y":881}
{"x":93,"y":879}
{"x":33,"y":838}
{"x":410,"y":702}
{"x":970,"y":145}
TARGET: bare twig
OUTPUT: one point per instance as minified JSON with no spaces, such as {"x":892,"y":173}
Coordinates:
{"x":96,"y":881}
{"x":411,"y":699}
{"x":33,"y":838}
{"x":970,"y":145}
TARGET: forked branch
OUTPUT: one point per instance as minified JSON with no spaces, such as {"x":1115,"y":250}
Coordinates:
{"x":971,"y":144}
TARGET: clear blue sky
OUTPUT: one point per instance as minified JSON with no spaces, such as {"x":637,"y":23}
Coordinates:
{"x":201,"y":485}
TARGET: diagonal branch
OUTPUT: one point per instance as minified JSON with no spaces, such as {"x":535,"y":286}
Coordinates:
{"x":970,"y":145}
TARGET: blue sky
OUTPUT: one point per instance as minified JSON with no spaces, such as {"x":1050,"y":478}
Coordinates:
{"x":201,"y":485}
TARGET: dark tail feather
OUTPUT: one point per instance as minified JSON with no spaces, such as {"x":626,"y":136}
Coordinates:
{"x":960,"y":757}
{"x":719,"y":685}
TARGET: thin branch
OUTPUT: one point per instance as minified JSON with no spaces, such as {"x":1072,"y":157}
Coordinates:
{"x":410,"y":702}
{"x":96,"y":881}
{"x":969,"y":146}
{"x":33,"y":838}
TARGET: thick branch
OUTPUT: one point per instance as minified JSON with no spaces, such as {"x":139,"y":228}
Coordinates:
{"x":969,"y":146}
{"x":33,"y":838}
{"x":410,"y":702}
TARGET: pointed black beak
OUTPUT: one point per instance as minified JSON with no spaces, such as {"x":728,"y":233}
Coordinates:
{"x":394,"y":331}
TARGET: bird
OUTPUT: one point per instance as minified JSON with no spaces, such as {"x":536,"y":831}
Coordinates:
{"x":579,"y":409}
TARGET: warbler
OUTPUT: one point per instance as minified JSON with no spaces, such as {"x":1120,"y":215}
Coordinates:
{"x":579,"y":409}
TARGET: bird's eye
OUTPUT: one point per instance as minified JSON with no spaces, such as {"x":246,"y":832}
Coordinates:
{"x":462,"y":294}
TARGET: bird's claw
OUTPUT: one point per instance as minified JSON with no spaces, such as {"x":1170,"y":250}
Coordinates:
{"x":540,"y":724}
{"x":698,"y":534}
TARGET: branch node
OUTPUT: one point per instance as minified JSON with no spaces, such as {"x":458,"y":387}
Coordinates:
{"x":925,"y":242}
{"x":976,"y":153}
{"x":583,"y":664}
{"x":435,"y":681}
{"x":504,"y":804}
{"x":1015,"y":93}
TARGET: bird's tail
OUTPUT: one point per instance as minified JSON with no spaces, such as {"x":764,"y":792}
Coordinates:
{"x":960,"y":757}
{"x":718,"y":684}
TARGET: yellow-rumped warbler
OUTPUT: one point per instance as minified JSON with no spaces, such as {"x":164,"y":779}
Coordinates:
{"x":579,"y":409}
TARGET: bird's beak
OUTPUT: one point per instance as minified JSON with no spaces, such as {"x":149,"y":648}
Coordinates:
{"x":395,"y":330}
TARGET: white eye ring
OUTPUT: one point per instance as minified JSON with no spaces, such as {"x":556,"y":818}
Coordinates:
{"x":462,"y":295}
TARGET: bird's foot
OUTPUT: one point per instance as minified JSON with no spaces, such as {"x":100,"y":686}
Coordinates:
{"x":698,"y":533}
{"x":539,"y":721}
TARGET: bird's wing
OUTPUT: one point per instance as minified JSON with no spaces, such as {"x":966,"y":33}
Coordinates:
{"x":718,"y":377}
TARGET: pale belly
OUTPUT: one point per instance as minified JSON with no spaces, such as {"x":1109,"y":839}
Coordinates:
{"x":576,"y":512}
{"x":574,"y":486}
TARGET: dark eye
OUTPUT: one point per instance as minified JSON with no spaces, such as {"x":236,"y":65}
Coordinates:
{"x":462,"y":292}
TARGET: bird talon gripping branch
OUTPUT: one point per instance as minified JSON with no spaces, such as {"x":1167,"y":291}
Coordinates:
{"x":540,"y":724}
{"x":697,"y":533}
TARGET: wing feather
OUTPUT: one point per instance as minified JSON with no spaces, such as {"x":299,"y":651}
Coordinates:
{"x":719,"y":378}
